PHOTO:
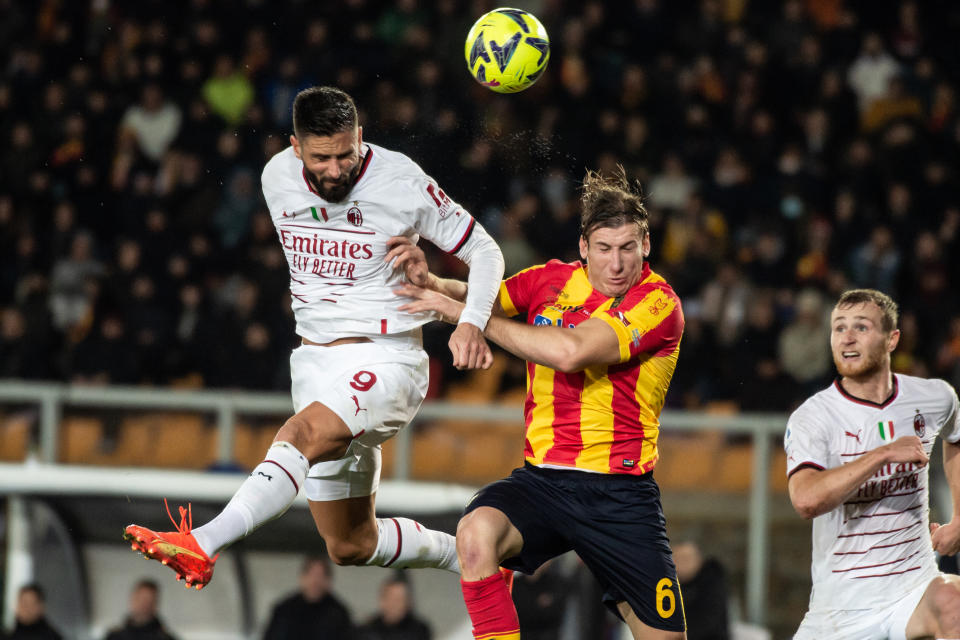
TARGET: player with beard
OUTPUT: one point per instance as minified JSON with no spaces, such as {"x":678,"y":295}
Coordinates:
{"x":343,"y":209}
{"x":857,"y":456}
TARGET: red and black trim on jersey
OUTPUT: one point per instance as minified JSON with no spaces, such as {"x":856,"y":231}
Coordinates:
{"x":466,"y":235}
{"x":805,"y":465}
{"x":869,"y":403}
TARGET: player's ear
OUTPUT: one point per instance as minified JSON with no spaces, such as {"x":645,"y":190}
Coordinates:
{"x":645,"y":245}
{"x":583,"y":247}
{"x":296,"y":146}
{"x":894,"y":340}
{"x":359,"y":137}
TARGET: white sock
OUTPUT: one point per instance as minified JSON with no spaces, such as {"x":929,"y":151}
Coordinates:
{"x":264,"y":495}
{"x":403,"y":543}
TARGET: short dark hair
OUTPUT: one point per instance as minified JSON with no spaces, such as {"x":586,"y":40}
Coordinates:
{"x":887,"y":306}
{"x":147,"y":583}
{"x":323,"y":111}
{"x":36,"y":589}
{"x":611,"y":201}
{"x":311,"y":560}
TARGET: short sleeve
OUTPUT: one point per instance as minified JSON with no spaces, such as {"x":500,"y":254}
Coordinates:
{"x":439,"y":219}
{"x":804,"y":443}
{"x":950,"y":431}
{"x":516,"y":292}
{"x":649,"y":321}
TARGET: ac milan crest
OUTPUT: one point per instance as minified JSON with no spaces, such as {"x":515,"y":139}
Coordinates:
{"x":919,"y":424}
{"x":354,"y":215}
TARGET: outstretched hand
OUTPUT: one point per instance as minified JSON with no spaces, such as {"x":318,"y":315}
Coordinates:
{"x":429,"y":300}
{"x":467,"y":344}
{"x":407,"y":256}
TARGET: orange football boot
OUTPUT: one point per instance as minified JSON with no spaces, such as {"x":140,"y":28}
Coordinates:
{"x":175,"y":549}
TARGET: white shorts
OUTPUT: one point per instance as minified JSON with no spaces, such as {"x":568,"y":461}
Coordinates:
{"x":886,"y":622}
{"x":376,"y":390}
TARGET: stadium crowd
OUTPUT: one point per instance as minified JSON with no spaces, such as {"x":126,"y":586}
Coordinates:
{"x":788,"y":150}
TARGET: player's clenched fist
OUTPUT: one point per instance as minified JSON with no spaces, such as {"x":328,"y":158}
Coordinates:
{"x":945,"y":538}
{"x":907,"y":449}
{"x":469,"y":348}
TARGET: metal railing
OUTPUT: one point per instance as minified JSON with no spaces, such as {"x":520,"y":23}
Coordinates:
{"x":51,"y":400}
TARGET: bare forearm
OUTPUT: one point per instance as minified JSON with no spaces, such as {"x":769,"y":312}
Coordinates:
{"x":456,"y":289}
{"x":819,"y":492}
{"x":549,"y":346}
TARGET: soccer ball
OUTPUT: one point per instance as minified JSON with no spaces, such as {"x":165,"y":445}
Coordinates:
{"x":507,"y":50}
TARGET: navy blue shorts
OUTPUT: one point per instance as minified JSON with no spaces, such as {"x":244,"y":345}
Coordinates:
{"x":613,"y":521}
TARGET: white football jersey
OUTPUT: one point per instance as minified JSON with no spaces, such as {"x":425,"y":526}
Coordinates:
{"x":877,"y":543}
{"x":339,"y":283}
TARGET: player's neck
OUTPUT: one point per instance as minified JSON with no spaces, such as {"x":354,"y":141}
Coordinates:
{"x":875,"y":387}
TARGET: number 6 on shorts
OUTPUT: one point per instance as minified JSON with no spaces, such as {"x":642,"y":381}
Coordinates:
{"x":666,"y":601}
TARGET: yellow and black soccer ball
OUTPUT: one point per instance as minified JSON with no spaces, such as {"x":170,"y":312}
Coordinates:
{"x":507,"y":50}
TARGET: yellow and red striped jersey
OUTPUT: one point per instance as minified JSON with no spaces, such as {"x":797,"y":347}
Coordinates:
{"x":605,"y":418}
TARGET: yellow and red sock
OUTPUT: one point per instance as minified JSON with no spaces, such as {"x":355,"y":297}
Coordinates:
{"x":491,"y":609}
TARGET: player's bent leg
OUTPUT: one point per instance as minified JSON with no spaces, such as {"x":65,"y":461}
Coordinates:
{"x":348,"y":528}
{"x":266,"y":494}
{"x":354,"y":536}
{"x":485,"y":536}
{"x":938,"y":612}
{"x":643,"y":631}
{"x":314,"y":434}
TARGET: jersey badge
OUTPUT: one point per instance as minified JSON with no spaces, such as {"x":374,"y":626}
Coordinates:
{"x":658,"y":305}
{"x":354,"y":215}
{"x":886,"y":430}
{"x":919,"y":424}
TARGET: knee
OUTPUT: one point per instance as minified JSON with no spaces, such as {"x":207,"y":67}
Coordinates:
{"x":349,"y":553}
{"x":946,"y":606}
{"x":476,"y":547}
{"x":318,"y":433}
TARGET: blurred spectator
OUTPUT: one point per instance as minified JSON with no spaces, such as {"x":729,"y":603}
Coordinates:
{"x":228,"y":91}
{"x":106,"y":356}
{"x":312,"y":612}
{"x":876,"y":263}
{"x":703,"y":582}
{"x":143,"y":621}
{"x":803,"y":345}
{"x":542,"y":600}
{"x":671,"y":188}
{"x":395,"y":618}
{"x":151,"y":125}
{"x":72,"y":282}
{"x":870,"y":74}
{"x":30,"y":621}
